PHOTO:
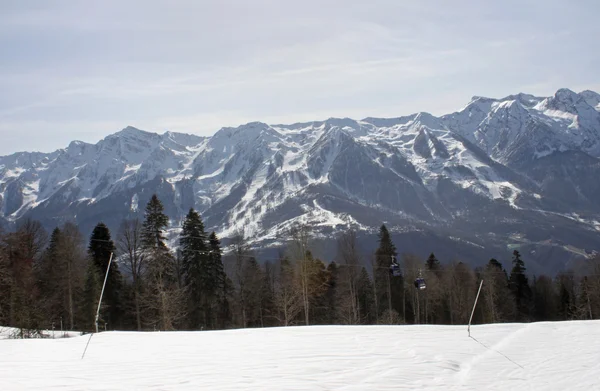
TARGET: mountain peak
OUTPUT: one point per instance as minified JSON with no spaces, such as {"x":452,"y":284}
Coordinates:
{"x":475,"y":98}
{"x":342,"y":122}
{"x":592,"y":98}
{"x":564,"y":94}
{"x":428,"y":120}
{"x":131,"y":130}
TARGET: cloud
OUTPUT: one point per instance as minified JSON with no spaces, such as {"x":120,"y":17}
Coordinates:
{"x":72,"y":65}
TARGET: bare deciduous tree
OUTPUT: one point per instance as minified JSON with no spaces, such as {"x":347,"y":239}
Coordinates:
{"x":130,"y":246}
{"x":298,"y":249}
{"x":288,"y":295}
{"x":241,"y":254}
{"x":460,"y":285}
{"x":71,"y":263}
{"x":349,"y":259}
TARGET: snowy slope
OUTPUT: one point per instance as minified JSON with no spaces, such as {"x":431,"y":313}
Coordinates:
{"x":537,"y":356}
{"x":519,"y":164}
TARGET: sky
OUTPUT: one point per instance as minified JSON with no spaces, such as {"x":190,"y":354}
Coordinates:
{"x":81,"y":70}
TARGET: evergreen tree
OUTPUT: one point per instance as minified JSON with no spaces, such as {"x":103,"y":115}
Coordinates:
{"x":364,"y":290}
{"x":91,"y":294}
{"x":99,"y":250}
{"x":328,"y":311}
{"x":495,"y":293}
{"x":268,"y":295}
{"x":433,"y":297}
{"x":390,"y":290}
{"x":19,"y":297}
{"x":194,"y":258}
{"x":432,"y":263}
{"x":545,"y":299}
{"x":519,"y":287}
{"x":251,"y":292}
{"x":217,"y":286}
{"x":567,"y":296}
{"x":163,"y":299}
{"x":48,"y":276}
{"x":155,"y":222}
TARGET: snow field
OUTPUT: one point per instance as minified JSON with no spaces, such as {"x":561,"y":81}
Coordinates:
{"x":537,"y":356}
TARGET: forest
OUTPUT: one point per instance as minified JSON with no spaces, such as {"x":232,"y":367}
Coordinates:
{"x":54,"y":281}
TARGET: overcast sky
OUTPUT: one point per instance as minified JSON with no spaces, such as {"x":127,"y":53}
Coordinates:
{"x":80,"y":70}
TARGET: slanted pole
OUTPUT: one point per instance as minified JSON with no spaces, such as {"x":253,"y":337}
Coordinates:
{"x":473,"y":311}
{"x":102,"y":292}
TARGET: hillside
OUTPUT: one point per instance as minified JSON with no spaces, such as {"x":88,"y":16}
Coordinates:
{"x":536,"y":356}
{"x":463,"y":185}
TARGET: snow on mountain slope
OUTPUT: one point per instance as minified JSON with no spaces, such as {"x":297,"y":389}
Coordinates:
{"x":535,"y":356}
{"x":485,"y":167}
{"x":84,"y":172}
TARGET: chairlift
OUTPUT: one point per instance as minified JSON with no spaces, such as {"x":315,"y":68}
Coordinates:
{"x":395,"y":270}
{"x":420,"y":282}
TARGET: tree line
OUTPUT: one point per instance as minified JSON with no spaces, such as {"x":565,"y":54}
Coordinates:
{"x":51,"y":282}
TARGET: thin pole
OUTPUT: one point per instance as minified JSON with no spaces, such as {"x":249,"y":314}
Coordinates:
{"x":102,"y":293}
{"x":86,"y":345}
{"x":99,"y":303}
{"x":473,"y":311}
{"x":389,"y":296}
{"x":389,"y":284}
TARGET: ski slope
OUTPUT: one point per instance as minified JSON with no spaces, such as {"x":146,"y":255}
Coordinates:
{"x":536,"y":356}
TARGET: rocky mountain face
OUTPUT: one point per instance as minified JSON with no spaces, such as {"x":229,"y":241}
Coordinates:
{"x":517,"y":172}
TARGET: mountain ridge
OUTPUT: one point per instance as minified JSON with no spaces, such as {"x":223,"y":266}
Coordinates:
{"x":498,"y":167}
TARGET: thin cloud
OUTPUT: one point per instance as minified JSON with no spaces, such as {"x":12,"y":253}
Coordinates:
{"x":74,"y":68}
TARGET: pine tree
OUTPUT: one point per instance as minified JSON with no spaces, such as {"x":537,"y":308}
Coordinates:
{"x":432,"y":263}
{"x":48,"y":275}
{"x":99,"y":250}
{"x":253,"y":278}
{"x":194,"y":254}
{"x":217,"y":285}
{"x":520,"y":289}
{"x":390,"y":290}
{"x":155,"y":222}
{"x":364,"y":291}
{"x":434,"y":296}
{"x":91,"y":294}
{"x":215,"y":281}
{"x":163,"y":299}
{"x":495,"y":293}
{"x":19,"y":298}
{"x":328,"y":310}
{"x":545,"y":299}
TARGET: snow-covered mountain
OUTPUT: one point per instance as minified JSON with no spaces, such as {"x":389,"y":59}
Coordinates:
{"x":517,"y":171}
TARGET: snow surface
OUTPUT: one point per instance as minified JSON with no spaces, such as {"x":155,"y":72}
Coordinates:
{"x":535,"y":356}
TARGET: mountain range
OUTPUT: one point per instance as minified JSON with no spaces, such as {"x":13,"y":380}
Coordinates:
{"x":517,"y":172}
